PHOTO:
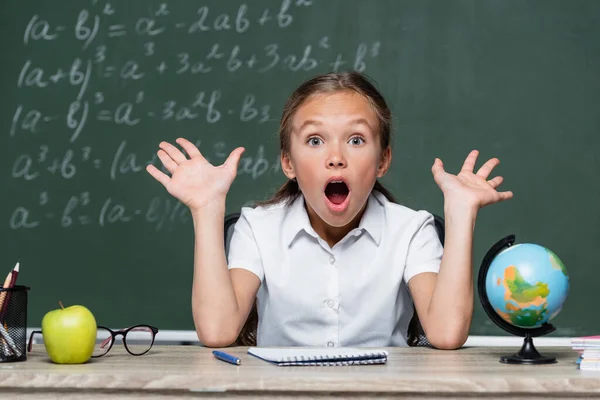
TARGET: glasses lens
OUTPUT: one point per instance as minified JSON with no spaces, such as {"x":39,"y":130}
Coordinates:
{"x":103,"y":342}
{"x":139,"y":339}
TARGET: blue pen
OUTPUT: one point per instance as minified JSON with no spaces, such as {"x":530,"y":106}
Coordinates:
{"x":227,"y":357}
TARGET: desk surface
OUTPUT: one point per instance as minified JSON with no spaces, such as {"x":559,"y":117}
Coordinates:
{"x":191,"y":370}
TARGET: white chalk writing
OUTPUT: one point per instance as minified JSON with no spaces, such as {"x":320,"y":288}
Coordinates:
{"x":87,"y":120}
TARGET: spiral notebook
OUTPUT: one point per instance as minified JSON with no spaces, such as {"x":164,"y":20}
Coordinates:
{"x":317,"y":356}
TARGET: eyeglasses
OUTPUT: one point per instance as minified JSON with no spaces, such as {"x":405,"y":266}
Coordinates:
{"x":138,"y":339}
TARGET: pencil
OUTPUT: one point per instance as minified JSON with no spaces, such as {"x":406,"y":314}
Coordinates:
{"x":11,"y":280}
{"x":4,"y":349}
{"x":9,"y":341}
{"x":15,"y":273}
{"x":6,"y":285}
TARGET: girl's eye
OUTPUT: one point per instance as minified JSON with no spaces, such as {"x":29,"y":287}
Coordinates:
{"x":314,"y":141}
{"x":357,"y":140}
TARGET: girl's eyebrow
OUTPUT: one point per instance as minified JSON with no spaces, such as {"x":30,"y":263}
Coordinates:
{"x":357,"y":121}
{"x":309,"y":122}
{"x":360,"y":121}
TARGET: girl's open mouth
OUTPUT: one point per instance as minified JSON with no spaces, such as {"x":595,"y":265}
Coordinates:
{"x":337,"y":195}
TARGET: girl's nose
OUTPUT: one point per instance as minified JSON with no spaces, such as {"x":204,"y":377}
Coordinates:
{"x":337,"y":163}
{"x":336,"y":160}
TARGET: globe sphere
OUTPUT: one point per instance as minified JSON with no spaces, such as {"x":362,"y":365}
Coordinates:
{"x":527,"y":285}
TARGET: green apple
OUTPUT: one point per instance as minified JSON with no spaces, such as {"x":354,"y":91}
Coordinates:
{"x":69,"y":334}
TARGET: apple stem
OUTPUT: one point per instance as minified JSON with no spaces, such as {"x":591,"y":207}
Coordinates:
{"x":61,"y":305}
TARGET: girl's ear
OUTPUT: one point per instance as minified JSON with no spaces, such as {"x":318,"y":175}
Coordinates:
{"x":386,"y":160}
{"x":287,"y":166}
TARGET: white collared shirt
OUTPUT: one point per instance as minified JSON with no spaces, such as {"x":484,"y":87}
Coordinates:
{"x":354,"y":294}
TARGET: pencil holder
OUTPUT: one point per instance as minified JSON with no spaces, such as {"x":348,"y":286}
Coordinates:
{"x":13,"y":323}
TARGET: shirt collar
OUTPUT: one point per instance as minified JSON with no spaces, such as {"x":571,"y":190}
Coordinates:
{"x":373,"y":219}
{"x":296,"y":219}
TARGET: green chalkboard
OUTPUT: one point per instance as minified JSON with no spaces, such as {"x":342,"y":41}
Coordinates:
{"x":89,"y":88}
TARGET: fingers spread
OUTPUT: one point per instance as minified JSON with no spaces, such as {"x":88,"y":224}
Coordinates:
{"x":234,"y":158}
{"x":438,"y":166}
{"x":470,"y":161}
{"x":486,"y":169}
{"x":191,"y":150}
{"x":505,"y":195}
{"x":494,"y":183}
{"x":173,"y":152}
{"x":167,"y":161}
{"x":158,"y":175}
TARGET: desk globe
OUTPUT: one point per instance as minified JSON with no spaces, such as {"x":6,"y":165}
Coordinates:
{"x":522,"y":287}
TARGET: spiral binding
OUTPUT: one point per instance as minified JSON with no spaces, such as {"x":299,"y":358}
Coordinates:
{"x":337,"y":359}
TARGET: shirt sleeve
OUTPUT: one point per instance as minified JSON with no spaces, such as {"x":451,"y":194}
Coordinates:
{"x":424,"y":251}
{"x":243,"y":249}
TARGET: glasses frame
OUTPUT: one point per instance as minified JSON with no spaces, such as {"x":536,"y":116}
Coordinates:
{"x":114,"y":334}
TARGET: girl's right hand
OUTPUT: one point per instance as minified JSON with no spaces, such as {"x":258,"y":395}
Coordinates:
{"x":194,"y":181}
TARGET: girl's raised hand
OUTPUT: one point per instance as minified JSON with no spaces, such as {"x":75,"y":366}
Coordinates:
{"x":194,"y":181}
{"x":468,"y":188}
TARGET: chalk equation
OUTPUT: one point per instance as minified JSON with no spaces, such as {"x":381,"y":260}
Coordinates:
{"x":83,"y":210}
{"x":98,"y":86}
{"x":104,"y":20}
{"x":66,"y":163}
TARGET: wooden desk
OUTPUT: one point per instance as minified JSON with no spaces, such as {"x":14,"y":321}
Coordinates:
{"x":192,"y":371}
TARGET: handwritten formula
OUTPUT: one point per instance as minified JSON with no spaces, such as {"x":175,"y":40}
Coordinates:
{"x":100,"y":85}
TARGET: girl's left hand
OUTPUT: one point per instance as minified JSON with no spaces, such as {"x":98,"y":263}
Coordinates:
{"x":468,"y":188}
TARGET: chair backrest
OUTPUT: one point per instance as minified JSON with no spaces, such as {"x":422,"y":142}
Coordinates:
{"x":230,"y":221}
{"x":440,"y":227}
{"x":417,"y":335}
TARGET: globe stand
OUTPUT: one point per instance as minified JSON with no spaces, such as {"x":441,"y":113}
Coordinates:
{"x":527,"y":355}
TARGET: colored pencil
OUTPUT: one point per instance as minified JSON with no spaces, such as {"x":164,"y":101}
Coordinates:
{"x":6,"y":342}
{"x":11,"y":280}
{"x":15,"y":274}
{"x":6,"y":285}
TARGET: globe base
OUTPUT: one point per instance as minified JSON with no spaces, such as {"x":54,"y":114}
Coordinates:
{"x":527,"y":355}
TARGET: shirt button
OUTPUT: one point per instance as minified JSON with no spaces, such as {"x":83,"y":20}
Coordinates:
{"x":331,"y":260}
{"x":330,"y":344}
{"x":330,"y":303}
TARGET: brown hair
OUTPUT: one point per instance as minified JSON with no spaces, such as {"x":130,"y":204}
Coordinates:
{"x":323,"y":84}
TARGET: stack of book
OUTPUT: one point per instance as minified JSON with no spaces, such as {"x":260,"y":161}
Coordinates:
{"x":589,"y":352}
